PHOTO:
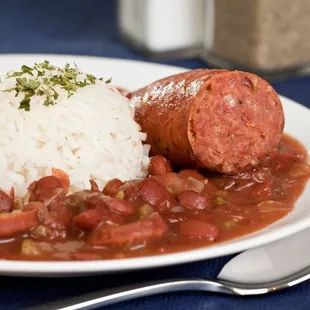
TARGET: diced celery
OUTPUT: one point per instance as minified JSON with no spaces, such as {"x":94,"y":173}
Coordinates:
{"x":220,"y":201}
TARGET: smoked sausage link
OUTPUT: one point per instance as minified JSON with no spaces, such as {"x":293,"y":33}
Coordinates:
{"x":225,"y":121}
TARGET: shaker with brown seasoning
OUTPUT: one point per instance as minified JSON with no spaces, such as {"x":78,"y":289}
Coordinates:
{"x":259,"y":35}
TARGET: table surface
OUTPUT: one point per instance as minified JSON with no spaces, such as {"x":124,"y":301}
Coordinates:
{"x":89,"y":28}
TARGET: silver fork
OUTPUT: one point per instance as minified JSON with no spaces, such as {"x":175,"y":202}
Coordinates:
{"x":98,"y":299}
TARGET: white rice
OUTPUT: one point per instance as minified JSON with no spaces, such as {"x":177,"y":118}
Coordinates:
{"x":91,"y":135}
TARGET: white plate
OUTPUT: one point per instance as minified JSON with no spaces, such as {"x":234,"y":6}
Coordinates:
{"x":132,"y":75}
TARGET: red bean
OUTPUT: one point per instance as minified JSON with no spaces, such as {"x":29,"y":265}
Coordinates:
{"x":6,"y":202}
{"x":90,"y":219}
{"x":53,"y":198}
{"x":40,"y":207}
{"x":59,"y":219}
{"x":45,"y":189}
{"x":155,"y":194}
{"x":122,"y":207}
{"x":59,"y":216}
{"x":199,"y":229}
{"x":159,"y":165}
{"x":142,"y":231}
{"x":76,"y":202}
{"x":194,"y":201}
{"x":96,"y":200}
{"x":12,"y":224}
{"x":93,"y":186}
{"x":47,"y":183}
{"x":111,"y":188}
{"x":130,"y":191}
{"x":63,"y":177}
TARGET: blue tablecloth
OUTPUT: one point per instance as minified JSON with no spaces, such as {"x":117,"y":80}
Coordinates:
{"x":89,"y":28}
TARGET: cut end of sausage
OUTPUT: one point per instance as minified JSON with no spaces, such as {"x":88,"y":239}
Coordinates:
{"x":235,"y":121}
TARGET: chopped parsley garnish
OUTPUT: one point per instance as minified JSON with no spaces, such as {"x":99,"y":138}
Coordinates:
{"x":25,"y":104}
{"x":91,"y":78}
{"x":46,"y":65}
{"x":27,"y":69}
{"x":41,"y":80}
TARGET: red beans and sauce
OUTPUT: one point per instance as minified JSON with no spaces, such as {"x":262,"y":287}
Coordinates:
{"x":169,"y":211}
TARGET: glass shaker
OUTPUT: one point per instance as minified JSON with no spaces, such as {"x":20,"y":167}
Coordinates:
{"x":269,"y":37}
{"x":162,"y":29}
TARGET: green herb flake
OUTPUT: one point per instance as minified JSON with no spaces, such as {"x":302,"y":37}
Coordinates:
{"x":48,"y":102}
{"x":25,"y":104}
{"x":70,"y":73}
{"x":108,"y":81}
{"x":31,"y":84}
{"x":91,"y":78}
{"x":21,"y":81}
{"x":69,"y":86}
{"x":56,"y":95}
{"x":55,"y":79}
{"x":15,"y":74}
{"x":46,"y":65}
{"x":27,"y":69}
{"x":40,"y":73}
{"x":43,"y":81}
{"x":17,"y":91}
{"x":40,"y":92}
{"x":82,"y":83}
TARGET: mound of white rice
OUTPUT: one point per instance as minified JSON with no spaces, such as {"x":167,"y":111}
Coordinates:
{"x":91,"y":135}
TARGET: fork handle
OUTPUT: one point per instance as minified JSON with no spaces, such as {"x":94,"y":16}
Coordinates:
{"x":97,"y":299}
